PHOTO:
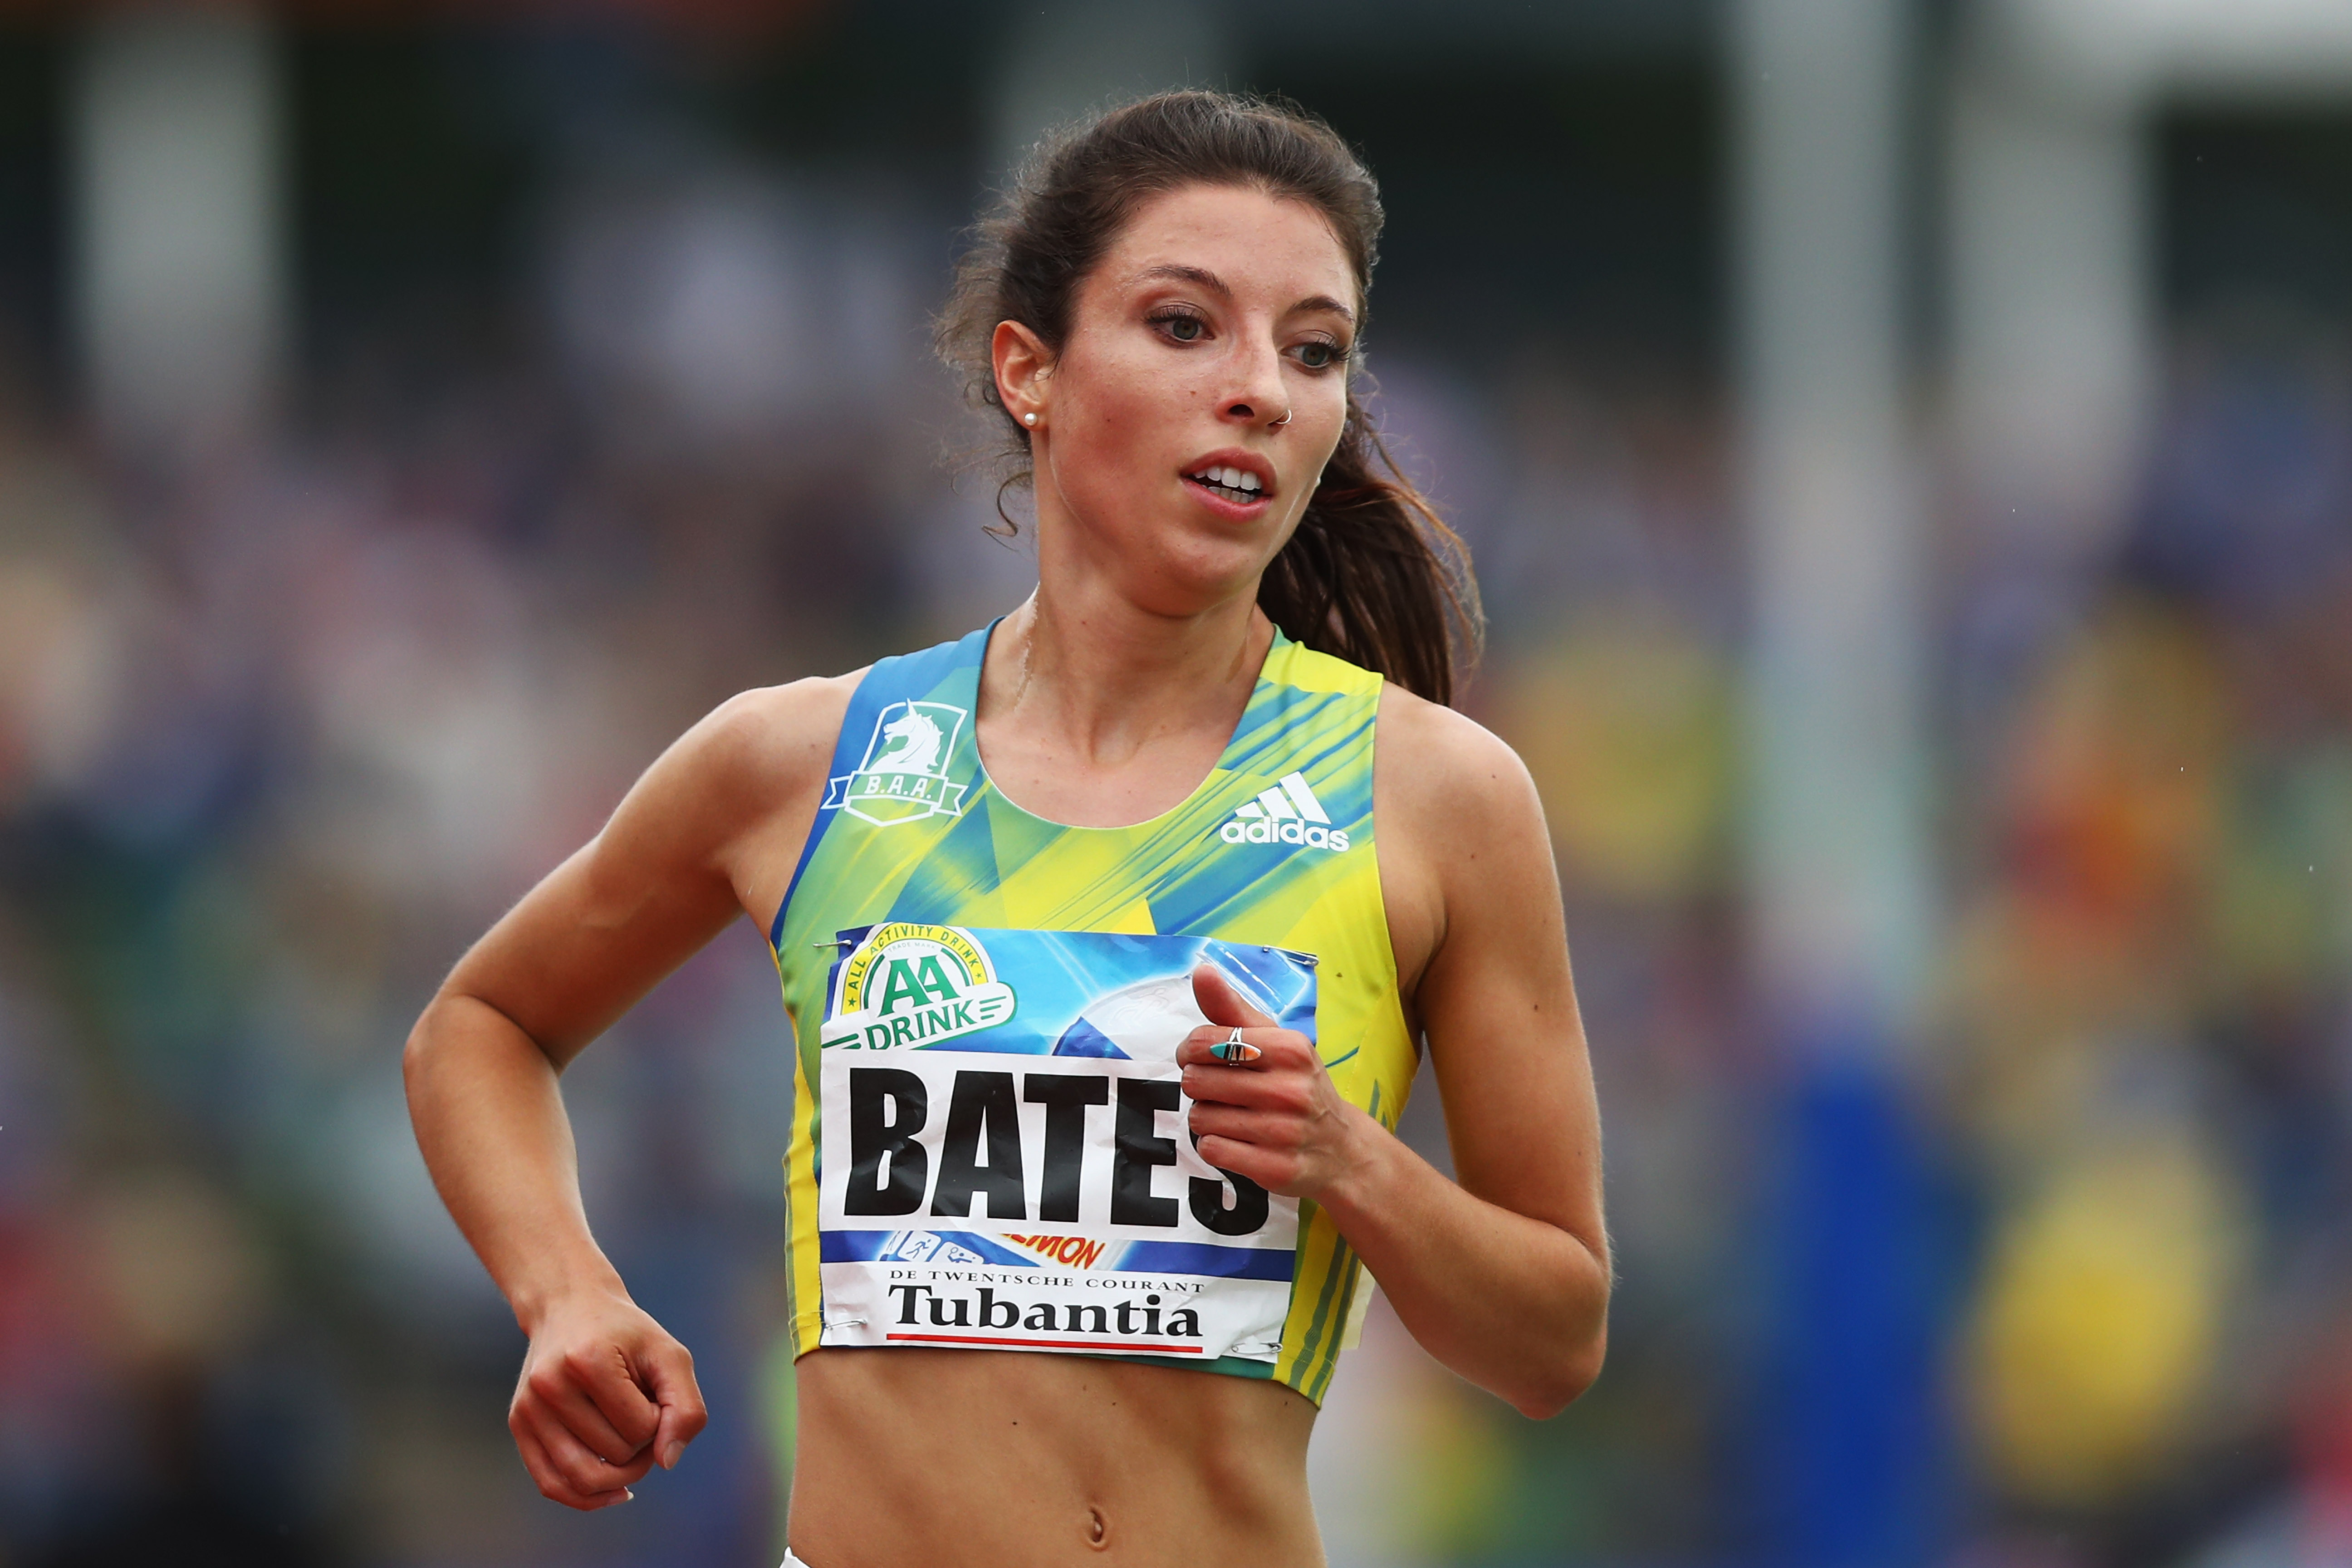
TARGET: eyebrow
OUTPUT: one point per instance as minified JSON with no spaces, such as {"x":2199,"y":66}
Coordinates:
{"x":1217,"y":286}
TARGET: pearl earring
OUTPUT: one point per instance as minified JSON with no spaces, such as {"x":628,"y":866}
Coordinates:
{"x":1028,"y":419}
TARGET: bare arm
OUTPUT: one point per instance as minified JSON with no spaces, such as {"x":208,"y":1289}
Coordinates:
{"x":708,"y":832}
{"x":1505,"y":1278}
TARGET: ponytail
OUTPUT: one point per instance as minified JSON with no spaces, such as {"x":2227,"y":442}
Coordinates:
{"x":1374,"y":576}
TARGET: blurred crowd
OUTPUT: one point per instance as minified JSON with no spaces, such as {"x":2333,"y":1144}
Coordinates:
{"x":284,"y":723}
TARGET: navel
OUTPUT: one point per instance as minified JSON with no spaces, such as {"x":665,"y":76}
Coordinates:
{"x":1097,"y":1531}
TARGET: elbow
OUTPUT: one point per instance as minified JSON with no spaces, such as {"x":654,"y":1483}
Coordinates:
{"x":416,"y":1056}
{"x":1560,"y":1378}
{"x":456,"y":1029}
{"x":427,"y":1050}
{"x":1573,"y":1365}
{"x":1556,"y":1387}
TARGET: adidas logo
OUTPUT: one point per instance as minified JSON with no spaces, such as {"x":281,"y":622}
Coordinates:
{"x":1287,"y":814}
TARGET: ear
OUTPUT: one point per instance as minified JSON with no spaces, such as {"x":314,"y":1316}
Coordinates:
{"x":1023,"y":365}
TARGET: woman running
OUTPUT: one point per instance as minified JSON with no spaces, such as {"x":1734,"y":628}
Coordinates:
{"x":1106,"y":936}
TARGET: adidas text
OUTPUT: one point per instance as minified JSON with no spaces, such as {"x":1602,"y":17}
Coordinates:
{"x":1307,"y":833}
{"x":1287,"y":814}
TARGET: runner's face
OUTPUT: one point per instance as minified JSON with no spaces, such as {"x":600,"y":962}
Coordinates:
{"x":1217,"y":308}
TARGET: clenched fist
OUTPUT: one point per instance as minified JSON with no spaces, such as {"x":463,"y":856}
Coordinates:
{"x":605,"y":1395}
{"x":1278,"y":1119}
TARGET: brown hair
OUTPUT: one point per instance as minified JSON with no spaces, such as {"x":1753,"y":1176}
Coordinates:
{"x":1372,"y":574}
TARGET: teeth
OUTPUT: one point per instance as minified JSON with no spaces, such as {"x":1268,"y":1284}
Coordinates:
{"x":1236,"y":480}
{"x":1232,"y":478}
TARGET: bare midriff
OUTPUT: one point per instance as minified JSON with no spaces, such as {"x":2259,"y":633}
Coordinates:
{"x":939,"y":1458}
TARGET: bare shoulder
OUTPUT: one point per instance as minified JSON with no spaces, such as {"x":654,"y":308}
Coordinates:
{"x":1437,"y":763}
{"x":1460,"y":826}
{"x":772,"y":742}
{"x":737,"y":792}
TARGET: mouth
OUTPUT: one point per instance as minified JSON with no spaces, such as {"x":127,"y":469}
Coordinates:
{"x":1237,"y":487}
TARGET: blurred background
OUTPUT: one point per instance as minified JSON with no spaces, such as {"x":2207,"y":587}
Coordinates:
{"x":1908,"y":447}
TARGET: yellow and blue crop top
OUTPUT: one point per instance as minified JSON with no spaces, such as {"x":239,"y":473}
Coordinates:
{"x":987,"y":1139}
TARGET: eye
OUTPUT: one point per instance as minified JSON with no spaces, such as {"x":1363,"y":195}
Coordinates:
{"x":1319,"y":355}
{"x":1182,"y":325}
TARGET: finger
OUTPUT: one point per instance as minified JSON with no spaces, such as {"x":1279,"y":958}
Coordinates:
{"x":1270,"y":1046}
{"x":1217,"y":1084}
{"x":586,"y":1471}
{"x":1221,"y":1003}
{"x":1262,"y":1128}
{"x":584,"y":1421}
{"x":670,"y":1372}
{"x":1270,"y":1170}
{"x":1202,"y":1047}
{"x":603,"y":1374}
{"x":550,"y":1482}
{"x":555,"y":1388}
{"x":1281,"y":1076}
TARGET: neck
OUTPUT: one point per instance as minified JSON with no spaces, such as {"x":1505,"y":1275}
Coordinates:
{"x":1110,"y":677}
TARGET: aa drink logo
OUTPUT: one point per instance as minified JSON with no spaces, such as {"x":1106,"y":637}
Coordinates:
{"x":905,"y":985}
{"x":904,"y":776}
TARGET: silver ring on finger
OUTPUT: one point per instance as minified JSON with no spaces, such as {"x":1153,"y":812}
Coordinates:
{"x":1234,"y":1051}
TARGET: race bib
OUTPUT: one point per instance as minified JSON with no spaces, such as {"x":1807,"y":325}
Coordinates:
{"x":1003,"y":1158}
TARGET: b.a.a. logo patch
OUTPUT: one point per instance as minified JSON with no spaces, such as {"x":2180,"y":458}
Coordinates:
{"x":905,"y":985}
{"x":904,"y":776}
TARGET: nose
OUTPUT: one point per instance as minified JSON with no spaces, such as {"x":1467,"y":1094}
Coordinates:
{"x":1257,"y":396}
